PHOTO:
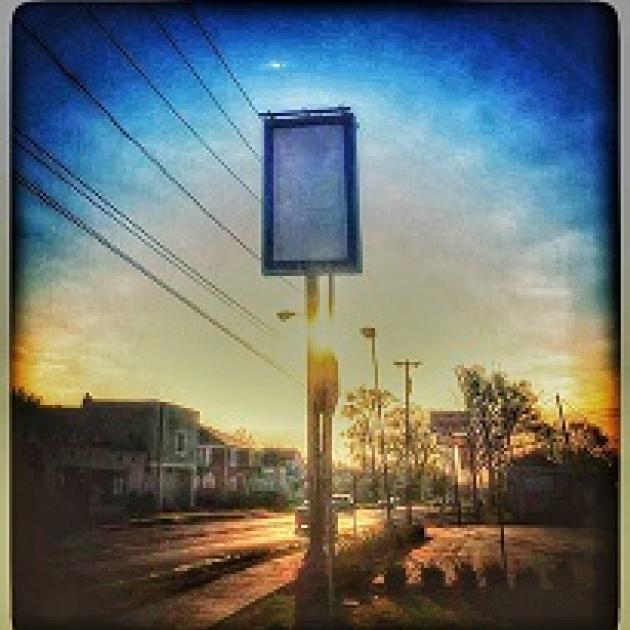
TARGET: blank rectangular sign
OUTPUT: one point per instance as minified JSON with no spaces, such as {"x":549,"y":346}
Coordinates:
{"x":310,"y":201}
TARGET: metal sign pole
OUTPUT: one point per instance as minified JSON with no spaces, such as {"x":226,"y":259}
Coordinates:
{"x":311,"y":585}
{"x":328,"y":468}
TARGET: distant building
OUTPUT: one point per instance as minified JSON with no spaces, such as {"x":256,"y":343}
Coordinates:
{"x":126,"y":447}
{"x":223,"y":466}
{"x":226,"y":468}
{"x":281,"y":470}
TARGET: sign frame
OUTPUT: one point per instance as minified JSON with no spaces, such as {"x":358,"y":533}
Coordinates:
{"x":352,"y":263}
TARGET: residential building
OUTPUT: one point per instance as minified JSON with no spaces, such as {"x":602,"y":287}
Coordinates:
{"x":281,"y":470}
{"x":144,"y":447}
{"x":224,"y":467}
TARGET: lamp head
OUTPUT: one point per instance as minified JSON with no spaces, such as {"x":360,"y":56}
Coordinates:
{"x":283,"y":316}
{"x":368,"y":332}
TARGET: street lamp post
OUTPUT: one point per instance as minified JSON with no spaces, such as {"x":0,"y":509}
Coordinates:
{"x":370,"y":333}
{"x":407,"y":364}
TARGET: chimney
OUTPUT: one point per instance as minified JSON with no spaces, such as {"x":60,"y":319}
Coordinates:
{"x":87,"y":399}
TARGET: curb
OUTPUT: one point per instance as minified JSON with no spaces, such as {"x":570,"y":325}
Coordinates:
{"x":125,"y":595}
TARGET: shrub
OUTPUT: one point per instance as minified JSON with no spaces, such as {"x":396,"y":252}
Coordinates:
{"x":561,"y":575}
{"x":433,"y":578}
{"x":526,"y":578}
{"x":395,"y":578}
{"x":353,"y":572}
{"x":465,"y":577}
{"x":494,"y":575}
{"x":140,"y":504}
{"x":417,"y":533}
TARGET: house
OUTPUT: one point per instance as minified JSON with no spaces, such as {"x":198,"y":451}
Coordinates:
{"x":224,"y":467}
{"x":124,"y":448}
{"x":280,"y":470}
{"x":537,"y":489}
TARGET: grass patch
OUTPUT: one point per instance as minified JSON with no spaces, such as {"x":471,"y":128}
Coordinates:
{"x":276,"y":612}
{"x":414,"y":611}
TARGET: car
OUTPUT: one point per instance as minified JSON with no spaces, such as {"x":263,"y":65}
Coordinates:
{"x":393,"y":502}
{"x":342,"y":502}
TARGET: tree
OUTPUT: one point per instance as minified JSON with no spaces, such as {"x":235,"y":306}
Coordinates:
{"x":498,"y":408}
{"x":362,"y":436}
{"x":242,"y":437}
{"x":423,"y":447}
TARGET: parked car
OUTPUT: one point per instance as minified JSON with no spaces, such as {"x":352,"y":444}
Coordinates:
{"x":342,"y":501}
{"x":393,"y":502}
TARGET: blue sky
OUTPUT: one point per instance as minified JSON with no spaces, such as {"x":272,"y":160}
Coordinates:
{"x":486,"y":153}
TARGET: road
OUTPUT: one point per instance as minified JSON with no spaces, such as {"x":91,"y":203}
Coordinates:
{"x":113,"y":555}
{"x":124,"y":557}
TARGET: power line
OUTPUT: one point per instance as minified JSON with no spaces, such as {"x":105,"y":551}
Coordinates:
{"x":221,"y":58}
{"x":134,"y":228}
{"x":199,"y":78}
{"x":70,"y":216}
{"x":133,"y":63}
{"x":79,"y":84}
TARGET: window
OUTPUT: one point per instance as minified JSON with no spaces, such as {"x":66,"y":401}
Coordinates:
{"x":180,"y":442}
{"x":233,"y":457}
{"x":119,"y":486}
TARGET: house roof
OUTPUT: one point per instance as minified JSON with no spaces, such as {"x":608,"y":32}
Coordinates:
{"x":211,"y":435}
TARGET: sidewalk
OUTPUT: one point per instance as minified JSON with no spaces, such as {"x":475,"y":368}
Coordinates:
{"x":538,"y":548}
{"x":205,"y":606}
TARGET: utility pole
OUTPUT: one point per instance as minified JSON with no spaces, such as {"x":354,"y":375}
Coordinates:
{"x":354,"y":507}
{"x":407,"y":364}
{"x":563,"y":423}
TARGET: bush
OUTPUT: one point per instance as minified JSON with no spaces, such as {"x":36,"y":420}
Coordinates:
{"x":140,"y":504}
{"x":494,"y":575}
{"x":353,"y":572}
{"x":433,"y":578}
{"x":561,"y":575}
{"x":465,"y":577}
{"x":526,"y":579}
{"x":395,"y":578}
{"x":417,"y":533}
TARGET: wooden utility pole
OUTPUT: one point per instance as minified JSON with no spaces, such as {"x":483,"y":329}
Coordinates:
{"x":407,"y":364}
{"x":563,"y":424}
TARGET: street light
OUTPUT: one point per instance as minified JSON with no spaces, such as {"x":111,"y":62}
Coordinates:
{"x":285,"y":315}
{"x":369,"y":332}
